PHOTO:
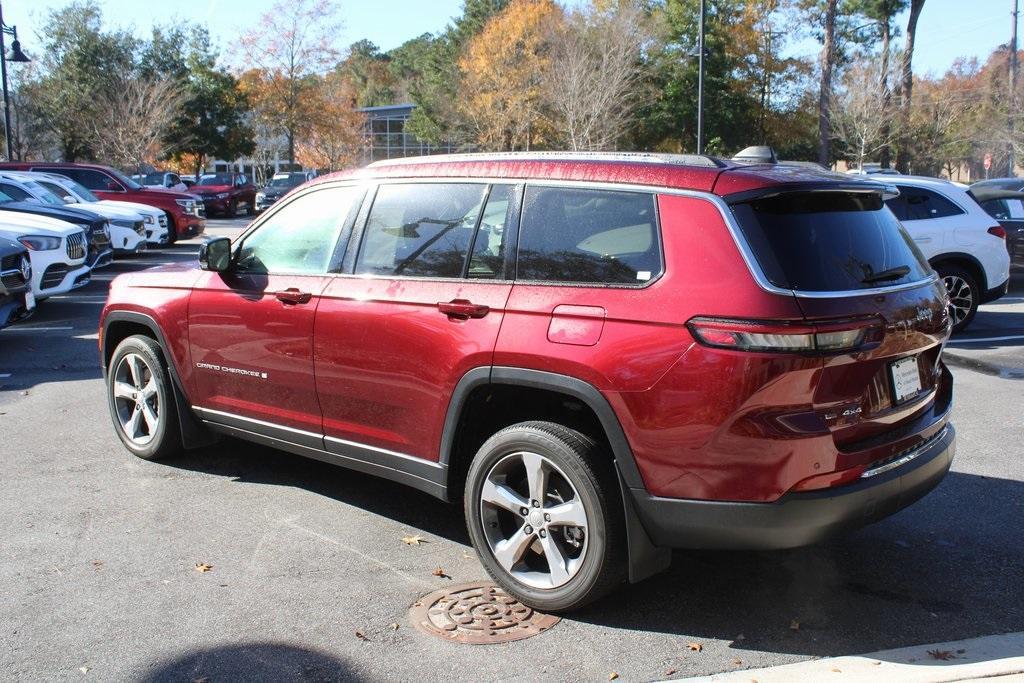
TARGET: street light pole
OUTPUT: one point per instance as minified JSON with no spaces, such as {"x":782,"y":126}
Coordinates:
{"x":700,"y":82}
{"x":16,"y":56}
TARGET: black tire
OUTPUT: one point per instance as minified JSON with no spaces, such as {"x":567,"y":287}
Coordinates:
{"x":967,"y":295}
{"x":232,"y":209}
{"x":172,"y":232}
{"x":165,"y":440}
{"x":589,"y":470}
{"x":250,"y":209}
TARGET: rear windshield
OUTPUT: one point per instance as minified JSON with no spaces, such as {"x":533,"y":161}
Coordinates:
{"x":830,"y":241}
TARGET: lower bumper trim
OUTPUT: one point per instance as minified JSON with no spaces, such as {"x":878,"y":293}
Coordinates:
{"x":796,"y":519}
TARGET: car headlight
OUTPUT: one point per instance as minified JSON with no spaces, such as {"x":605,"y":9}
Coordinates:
{"x":260,"y":196}
{"x":223,"y":195}
{"x":40,"y":242}
{"x":148,"y":219}
{"x":187,"y":204}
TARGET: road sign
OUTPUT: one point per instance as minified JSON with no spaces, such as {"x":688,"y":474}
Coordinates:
{"x":988,"y":161}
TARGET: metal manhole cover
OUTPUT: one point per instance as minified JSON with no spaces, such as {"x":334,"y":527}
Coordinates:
{"x":478,"y":614}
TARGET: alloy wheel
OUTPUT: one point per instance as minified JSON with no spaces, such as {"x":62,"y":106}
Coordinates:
{"x":136,"y":399}
{"x":534,"y":520}
{"x":961,"y":297}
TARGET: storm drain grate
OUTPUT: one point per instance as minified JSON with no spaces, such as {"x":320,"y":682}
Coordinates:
{"x":478,"y":614}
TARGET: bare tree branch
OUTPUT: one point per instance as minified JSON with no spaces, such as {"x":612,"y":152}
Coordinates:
{"x":135,"y":118}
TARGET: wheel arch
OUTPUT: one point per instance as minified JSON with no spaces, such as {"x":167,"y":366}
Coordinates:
{"x":118,"y":326}
{"x":479,"y":384}
{"x":964,"y":260}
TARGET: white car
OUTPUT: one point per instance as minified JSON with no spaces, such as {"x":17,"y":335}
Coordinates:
{"x":127,"y":227}
{"x":168,"y":181}
{"x":961,"y":242}
{"x":56,"y":249}
{"x":155,"y":219}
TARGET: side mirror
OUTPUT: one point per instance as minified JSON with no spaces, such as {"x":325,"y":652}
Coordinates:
{"x":215,"y":255}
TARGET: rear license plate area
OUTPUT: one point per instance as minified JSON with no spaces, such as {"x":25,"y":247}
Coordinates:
{"x":906,"y":379}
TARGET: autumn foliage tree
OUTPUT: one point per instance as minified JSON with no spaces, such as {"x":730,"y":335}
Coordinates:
{"x":285,"y":52}
{"x":503,"y":77}
{"x":335,"y":135}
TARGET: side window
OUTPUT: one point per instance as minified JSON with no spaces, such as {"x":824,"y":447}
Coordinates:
{"x":488,"y":260}
{"x":898,"y":205}
{"x":997,"y":208}
{"x":93,"y":180}
{"x":596,"y":236}
{"x":420,"y":229}
{"x":15,"y":192}
{"x":299,"y":238}
{"x":922,"y":204}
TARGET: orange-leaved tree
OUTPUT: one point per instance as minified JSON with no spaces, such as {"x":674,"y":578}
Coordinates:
{"x":503,"y":76}
{"x":285,"y":52}
{"x":335,"y":137}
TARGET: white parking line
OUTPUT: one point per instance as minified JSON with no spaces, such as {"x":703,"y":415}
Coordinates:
{"x":987,"y":339}
{"x":4,"y":375}
{"x":19,"y":328}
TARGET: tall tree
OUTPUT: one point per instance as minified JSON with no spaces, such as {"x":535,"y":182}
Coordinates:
{"x":335,"y":137}
{"x":882,"y":13}
{"x":907,"y":86}
{"x":292,"y":44}
{"x":80,"y":63}
{"x":828,"y":60}
{"x":133,"y":123}
{"x":503,"y":72}
{"x":857,"y":112}
{"x":367,"y":71}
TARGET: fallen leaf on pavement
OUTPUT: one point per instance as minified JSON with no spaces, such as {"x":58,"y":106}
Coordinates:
{"x":670,"y":672}
{"x":414,"y":540}
{"x":696,"y":647}
{"x":440,"y":572}
{"x":97,"y":563}
{"x":737,"y":662}
{"x":944,"y":655}
{"x":612,"y":676}
{"x":876,"y":663}
{"x":836,"y":671}
{"x":84,"y":669}
{"x":794,"y":625}
{"x":393,"y":627}
{"x":361,"y":636}
{"x":202,"y":567}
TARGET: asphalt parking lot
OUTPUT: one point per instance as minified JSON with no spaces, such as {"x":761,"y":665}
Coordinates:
{"x":100,"y":549}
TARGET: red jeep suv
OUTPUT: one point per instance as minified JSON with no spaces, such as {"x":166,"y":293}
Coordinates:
{"x":603,"y":356}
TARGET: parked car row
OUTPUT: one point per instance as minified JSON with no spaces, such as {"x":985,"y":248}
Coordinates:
{"x":55,"y":229}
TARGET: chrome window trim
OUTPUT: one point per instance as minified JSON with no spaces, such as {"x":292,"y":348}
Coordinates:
{"x":723,"y":208}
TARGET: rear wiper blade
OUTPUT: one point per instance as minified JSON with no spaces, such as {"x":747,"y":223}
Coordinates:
{"x":889,"y":274}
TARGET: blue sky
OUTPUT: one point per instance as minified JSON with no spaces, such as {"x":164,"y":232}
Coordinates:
{"x":948,"y":28}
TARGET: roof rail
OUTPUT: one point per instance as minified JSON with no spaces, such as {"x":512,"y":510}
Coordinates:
{"x":637,"y":157}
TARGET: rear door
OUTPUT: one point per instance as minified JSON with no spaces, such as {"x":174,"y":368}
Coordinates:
{"x":421,"y":304}
{"x":930,"y":218}
{"x":251,"y":329}
{"x":848,"y":259}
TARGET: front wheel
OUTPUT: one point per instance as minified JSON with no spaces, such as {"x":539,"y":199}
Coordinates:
{"x":140,"y":398}
{"x":544,"y":513}
{"x":963,"y":295}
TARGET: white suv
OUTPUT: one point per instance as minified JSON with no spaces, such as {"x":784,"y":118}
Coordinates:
{"x":56,"y":249}
{"x":961,"y":242}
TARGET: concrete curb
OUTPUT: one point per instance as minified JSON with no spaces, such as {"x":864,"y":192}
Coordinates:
{"x":970,"y":363}
{"x":976,"y":658}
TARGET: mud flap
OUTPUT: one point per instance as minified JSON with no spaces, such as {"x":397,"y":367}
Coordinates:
{"x":645,"y":558}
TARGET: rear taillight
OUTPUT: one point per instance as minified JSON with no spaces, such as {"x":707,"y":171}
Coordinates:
{"x":998,"y":231}
{"x":786,"y":336}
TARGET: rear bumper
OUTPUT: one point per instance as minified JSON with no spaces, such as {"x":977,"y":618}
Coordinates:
{"x":996,"y":292}
{"x":796,"y":519}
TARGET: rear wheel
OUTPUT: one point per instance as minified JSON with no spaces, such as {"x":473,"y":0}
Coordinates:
{"x":544,"y":513}
{"x":964,"y":294}
{"x":140,"y":398}
{"x":232,"y":209}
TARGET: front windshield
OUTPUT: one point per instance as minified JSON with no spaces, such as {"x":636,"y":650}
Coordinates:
{"x":56,"y":189}
{"x":125,"y":180}
{"x":289,"y":181}
{"x":43,"y":194}
{"x":216,"y":179}
{"x":4,"y":198}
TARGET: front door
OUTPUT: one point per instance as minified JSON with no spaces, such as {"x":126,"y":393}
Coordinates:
{"x":251,"y":329}
{"x":422,"y":305}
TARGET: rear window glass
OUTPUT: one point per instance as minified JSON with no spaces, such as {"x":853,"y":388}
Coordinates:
{"x":918,"y":204}
{"x":592,"y":236}
{"x":829,"y":241}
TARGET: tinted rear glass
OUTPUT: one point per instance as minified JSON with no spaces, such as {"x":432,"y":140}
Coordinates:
{"x":829,"y":241}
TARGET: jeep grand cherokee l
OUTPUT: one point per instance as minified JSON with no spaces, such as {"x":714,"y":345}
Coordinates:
{"x":602,"y":356}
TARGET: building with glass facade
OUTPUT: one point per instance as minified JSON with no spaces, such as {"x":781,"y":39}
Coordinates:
{"x":386,"y":137}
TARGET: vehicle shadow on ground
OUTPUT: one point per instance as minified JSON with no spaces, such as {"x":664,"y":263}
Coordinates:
{"x":258,"y":661}
{"x":254,"y":464}
{"x":947,"y":568}
{"x":932,"y":573}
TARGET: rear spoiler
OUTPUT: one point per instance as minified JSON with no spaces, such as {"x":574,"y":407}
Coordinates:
{"x":887,"y":190}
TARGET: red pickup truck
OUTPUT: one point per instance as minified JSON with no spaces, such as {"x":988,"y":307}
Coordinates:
{"x":185,"y":214}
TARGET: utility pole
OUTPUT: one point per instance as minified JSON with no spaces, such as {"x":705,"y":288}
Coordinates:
{"x":1011,"y":109}
{"x":700,"y":82}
